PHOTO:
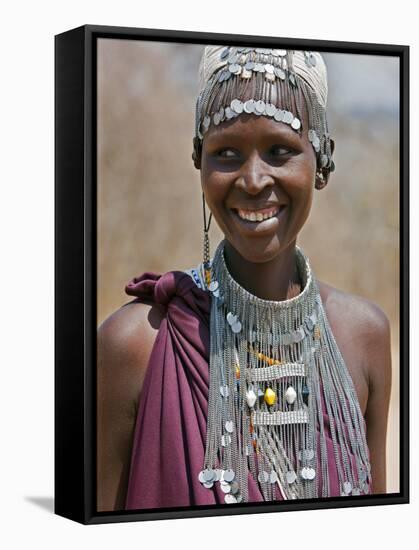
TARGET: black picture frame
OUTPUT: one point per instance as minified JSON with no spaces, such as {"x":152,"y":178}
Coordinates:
{"x":75,"y":272}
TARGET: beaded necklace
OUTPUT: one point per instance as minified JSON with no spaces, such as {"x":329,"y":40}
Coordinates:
{"x":275,"y":368}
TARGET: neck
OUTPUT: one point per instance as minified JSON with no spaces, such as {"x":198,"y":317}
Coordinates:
{"x":275,"y":280}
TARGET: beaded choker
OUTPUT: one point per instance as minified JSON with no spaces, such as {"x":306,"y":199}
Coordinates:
{"x":275,"y":371}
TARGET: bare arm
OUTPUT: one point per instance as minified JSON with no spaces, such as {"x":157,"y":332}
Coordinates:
{"x":378,"y":358}
{"x":124,"y":344}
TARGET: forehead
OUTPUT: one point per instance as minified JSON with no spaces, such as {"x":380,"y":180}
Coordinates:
{"x":251,"y":128}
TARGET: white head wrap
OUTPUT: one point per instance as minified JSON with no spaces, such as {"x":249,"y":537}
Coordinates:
{"x":294,"y":68}
{"x":315,"y":76}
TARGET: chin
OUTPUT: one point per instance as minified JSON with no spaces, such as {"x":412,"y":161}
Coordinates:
{"x":259,"y":251}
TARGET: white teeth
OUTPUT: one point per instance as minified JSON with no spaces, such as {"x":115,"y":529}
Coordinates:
{"x":257,"y":216}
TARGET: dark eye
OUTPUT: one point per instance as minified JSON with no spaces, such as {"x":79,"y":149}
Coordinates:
{"x":227,"y":153}
{"x":278,"y":151}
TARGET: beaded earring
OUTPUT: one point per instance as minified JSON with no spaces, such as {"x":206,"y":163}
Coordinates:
{"x":206,"y":247}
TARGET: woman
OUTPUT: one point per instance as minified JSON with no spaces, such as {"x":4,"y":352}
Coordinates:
{"x":246,"y":379}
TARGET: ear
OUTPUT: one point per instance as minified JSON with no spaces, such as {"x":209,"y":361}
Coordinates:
{"x":321,"y":179}
{"x":323,"y":174}
{"x":196,"y":155}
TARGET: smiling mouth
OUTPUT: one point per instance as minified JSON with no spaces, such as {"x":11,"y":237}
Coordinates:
{"x":257,"y":216}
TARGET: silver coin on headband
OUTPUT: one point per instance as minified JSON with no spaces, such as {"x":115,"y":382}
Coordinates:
{"x":279,"y":116}
{"x":235,"y":68}
{"x":249,"y":106}
{"x":270,"y":109}
{"x":229,"y":113}
{"x":260,"y":106}
{"x":225,"y":53}
{"x":279,"y":73}
{"x":233,"y":58}
{"x":288,"y":117}
{"x":237,"y":106}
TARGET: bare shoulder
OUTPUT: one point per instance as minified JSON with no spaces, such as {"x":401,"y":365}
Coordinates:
{"x":124,"y":343}
{"x":360,"y":322}
{"x":125,"y":340}
{"x":363,"y":314}
{"x":131,"y":328}
{"x":362,"y":332}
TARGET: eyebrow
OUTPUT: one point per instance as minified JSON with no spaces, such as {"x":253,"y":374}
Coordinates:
{"x":271,"y":134}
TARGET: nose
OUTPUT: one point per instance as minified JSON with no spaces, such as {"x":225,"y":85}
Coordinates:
{"x":254,"y":175}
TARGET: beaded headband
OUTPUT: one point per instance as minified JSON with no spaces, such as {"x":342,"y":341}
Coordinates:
{"x":264,"y":81}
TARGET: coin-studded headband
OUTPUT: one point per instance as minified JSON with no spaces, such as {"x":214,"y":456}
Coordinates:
{"x":272,"y":82}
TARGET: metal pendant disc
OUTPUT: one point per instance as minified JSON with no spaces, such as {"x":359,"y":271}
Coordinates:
{"x":225,"y":53}
{"x":260,"y":106}
{"x":279,"y":115}
{"x":229,"y":426}
{"x":347,"y":487}
{"x":303,"y":473}
{"x":270,"y":109}
{"x":225,"y":487}
{"x":288,"y":117}
{"x":228,"y":475}
{"x":311,"y":473}
{"x":296,"y":124}
{"x":237,"y":106}
{"x":224,"y":391}
{"x":234,"y":487}
{"x":213,"y":285}
{"x":201,"y":476}
{"x":225,"y":440}
{"x":231,"y":319}
{"x":249,"y":106}
{"x":236,"y":327}
{"x":263,"y":476}
{"x":209,"y":475}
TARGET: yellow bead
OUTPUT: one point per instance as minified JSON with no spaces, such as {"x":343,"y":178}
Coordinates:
{"x":270,"y":396}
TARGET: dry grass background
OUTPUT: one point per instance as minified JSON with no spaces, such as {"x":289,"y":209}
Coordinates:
{"x":149,"y":199}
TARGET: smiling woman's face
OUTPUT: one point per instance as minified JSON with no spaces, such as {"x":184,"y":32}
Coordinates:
{"x":252,"y":168}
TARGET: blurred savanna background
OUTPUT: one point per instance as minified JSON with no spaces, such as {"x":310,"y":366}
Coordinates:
{"x":149,"y":206}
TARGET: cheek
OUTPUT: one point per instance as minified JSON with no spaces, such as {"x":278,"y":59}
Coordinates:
{"x":214,"y":186}
{"x":301,"y":180}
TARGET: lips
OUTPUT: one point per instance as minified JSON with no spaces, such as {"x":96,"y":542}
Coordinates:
{"x":258,"y":220}
{"x":257,"y":215}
